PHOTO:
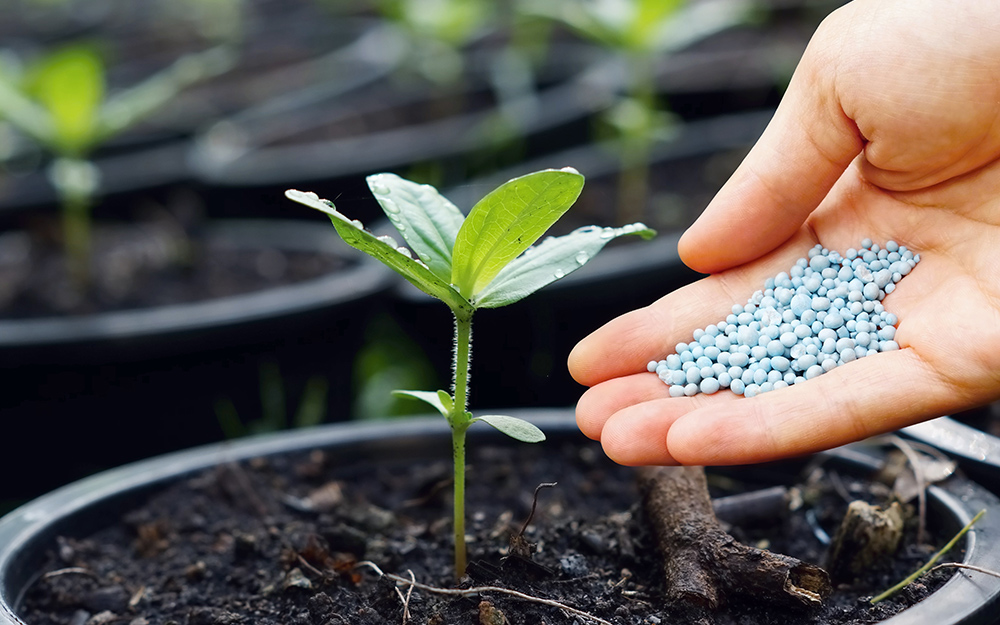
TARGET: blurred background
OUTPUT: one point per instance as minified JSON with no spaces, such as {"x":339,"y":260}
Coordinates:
{"x":157,"y":290}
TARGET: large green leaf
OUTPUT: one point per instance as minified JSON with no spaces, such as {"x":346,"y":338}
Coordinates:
{"x":385,"y":250}
{"x":518,"y":429}
{"x":549,"y":261}
{"x":427,"y":221}
{"x":69,"y":83}
{"x":507,"y":221}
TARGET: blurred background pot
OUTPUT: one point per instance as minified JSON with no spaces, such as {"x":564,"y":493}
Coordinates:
{"x":96,"y":390}
{"x":251,"y":52}
{"x":975,"y":446}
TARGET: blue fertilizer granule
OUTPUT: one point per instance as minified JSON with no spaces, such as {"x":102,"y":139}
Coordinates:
{"x":826,"y":311}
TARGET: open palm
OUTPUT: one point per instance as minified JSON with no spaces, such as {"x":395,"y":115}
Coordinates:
{"x":890,"y":130}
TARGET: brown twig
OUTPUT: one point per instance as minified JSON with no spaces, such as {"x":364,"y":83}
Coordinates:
{"x":703,"y":565}
{"x":476,"y":590}
{"x":534,"y":503}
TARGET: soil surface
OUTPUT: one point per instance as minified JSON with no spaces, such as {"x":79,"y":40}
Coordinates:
{"x":280,"y":540}
{"x":141,"y":264}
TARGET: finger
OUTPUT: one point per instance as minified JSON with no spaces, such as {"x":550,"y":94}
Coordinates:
{"x":801,"y":154}
{"x":626,"y":344}
{"x":639,"y":434}
{"x":868,"y":396}
{"x":600,"y":402}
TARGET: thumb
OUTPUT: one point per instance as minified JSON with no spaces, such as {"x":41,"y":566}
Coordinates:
{"x":805,"y":148}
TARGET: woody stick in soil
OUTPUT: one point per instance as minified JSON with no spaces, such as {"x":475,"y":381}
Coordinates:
{"x":703,"y":565}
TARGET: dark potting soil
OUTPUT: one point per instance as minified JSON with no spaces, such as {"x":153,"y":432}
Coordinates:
{"x":279,"y":540}
{"x":141,"y":264}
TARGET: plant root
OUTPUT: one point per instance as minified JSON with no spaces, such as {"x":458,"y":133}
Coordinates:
{"x":703,"y":565}
{"x":476,"y":590}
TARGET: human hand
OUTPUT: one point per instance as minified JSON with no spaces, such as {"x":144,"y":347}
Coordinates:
{"x":890,"y":129}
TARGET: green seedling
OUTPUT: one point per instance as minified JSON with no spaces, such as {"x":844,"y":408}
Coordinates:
{"x":641,"y":32}
{"x":436,"y":30}
{"x":62,"y":103}
{"x":485,"y":260}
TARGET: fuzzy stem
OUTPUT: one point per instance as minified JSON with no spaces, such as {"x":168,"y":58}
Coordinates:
{"x":459,"y":421}
{"x":460,"y":365}
{"x":458,"y":453}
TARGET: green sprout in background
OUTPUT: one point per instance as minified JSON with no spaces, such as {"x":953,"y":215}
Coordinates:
{"x":436,"y":30}
{"x":642,"y":32}
{"x":61,"y":101}
{"x":485,"y":260}
{"x":311,"y":409}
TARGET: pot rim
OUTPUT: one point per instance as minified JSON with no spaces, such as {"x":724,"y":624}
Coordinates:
{"x":962,"y":599}
{"x":361,"y":278}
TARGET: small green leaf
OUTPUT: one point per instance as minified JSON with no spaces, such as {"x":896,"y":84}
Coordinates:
{"x":507,"y":221}
{"x":426,"y":220}
{"x":69,"y":83}
{"x":384,"y":249}
{"x":518,"y":429}
{"x":439,"y":399}
{"x":648,"y":16}
{"x":23,"y":112}
{"x":549,"y":261}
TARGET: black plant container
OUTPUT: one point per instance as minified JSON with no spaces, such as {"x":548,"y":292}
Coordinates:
{"x":94,"y":391}
{"x":27,"y":533}
{"x":977,"y":451}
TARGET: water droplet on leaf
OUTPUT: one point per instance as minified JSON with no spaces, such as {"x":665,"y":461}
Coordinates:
{"x":389,"y":206}
{"x":582,"y":257}
{"x":559,"y":273}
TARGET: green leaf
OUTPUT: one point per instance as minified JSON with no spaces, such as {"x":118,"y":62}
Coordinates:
{"x":518,"y":429}
{"x":551,"y":260}
{"x":385,"y":250}
{"x":427,"y":221}
{"x":22,"y":112}
{"x":69,"y":83}
{"x":649,"y":14}
{"x":439,"y":399}
{"x":507,"y":221}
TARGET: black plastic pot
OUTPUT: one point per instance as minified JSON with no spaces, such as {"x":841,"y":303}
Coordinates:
{"x":287,"y":48}
{"x":90,"y":392}
{"x":86,"y":506}
{"x":396,"y":122}
{"x":977,"y":451}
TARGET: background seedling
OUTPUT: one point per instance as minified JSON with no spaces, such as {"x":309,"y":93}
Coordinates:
{"x":641,"y":33}
{"x":485,"y":260}
{"x":61,"y":101}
